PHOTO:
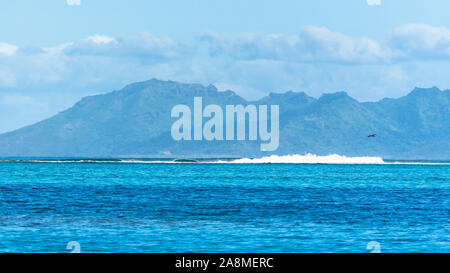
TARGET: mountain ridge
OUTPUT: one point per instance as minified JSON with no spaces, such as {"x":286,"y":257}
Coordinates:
{"x":135,"y":122}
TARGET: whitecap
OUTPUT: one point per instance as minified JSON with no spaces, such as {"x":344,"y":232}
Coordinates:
{"x":310,"y":159}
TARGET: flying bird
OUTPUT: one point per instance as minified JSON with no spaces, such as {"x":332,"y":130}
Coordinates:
{"x":372,"y":135}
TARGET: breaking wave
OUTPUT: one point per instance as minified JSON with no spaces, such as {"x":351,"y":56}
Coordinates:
{"x":311,"y":159}
{"x":274,"y":159}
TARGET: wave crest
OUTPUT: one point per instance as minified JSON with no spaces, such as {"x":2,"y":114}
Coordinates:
{"x":311,"y":159}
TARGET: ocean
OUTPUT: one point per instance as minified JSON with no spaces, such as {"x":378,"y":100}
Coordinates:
{"x":195,"y":206}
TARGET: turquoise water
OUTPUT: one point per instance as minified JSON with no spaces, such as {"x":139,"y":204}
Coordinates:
{"x":119,"y":207}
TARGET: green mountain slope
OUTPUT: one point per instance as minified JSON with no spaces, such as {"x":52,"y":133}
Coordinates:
{"x":136,"y":122}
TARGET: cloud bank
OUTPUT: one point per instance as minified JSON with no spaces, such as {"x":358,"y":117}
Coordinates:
{"x":419,"y":41}
{"x":313,"y":44}
{"x":145,"y":47}
{"x":316,"y":60}
{"x":217,"y":58}
{"x":7,"y":49}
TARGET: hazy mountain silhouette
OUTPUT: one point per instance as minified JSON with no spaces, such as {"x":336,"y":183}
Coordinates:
{"x":136,"y":122}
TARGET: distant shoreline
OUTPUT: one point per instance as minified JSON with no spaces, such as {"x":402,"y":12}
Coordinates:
{"x":65,"y":160}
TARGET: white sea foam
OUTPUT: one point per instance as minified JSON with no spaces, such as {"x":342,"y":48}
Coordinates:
{"x":274,"y":159}
{"x":311,"y":159}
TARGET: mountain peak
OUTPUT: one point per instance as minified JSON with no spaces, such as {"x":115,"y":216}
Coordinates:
{"x":422,"y":91}
{"x":292,"y":97}
{"x":288,"y":94}
{"x":161,"y":88}
{"x":136,"y":122}
{"x":143,"y":84}
{"x":329,"y":97}
{"x":212,"y":88}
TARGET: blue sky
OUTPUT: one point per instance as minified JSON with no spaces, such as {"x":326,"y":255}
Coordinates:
{"x":53,"y":52}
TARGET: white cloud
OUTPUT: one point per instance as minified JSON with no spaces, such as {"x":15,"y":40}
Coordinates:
{"x":317,"y":44}
{"x":373,"y":2}
{"x":100,"y":39}
{"x":144,"y":46}
{"x":322,"y":44}
{"x":73,"y":2}
{"x":8,"y":49}
{"x":421,"y":41}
